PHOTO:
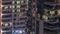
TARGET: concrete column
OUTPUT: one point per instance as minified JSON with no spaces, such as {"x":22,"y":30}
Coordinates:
{"x":41,"y":28}
{"x":0,"y":16}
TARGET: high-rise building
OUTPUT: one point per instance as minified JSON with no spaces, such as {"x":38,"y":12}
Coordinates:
{"x":18,"y":16}
{"x":13,"y":16}
{"x":49,"y":12}
{"x":29,"y":16}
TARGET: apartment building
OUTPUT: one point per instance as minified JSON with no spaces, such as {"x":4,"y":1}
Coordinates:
{"x":30,"y":16}
{"x":49,"y":12}
{"x":13,"y":16}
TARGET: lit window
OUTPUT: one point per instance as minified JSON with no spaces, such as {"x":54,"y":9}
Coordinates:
{"x":18,"y":6}
{"x":13,"y":6}
{"x":22,"y":2}
{"x":22,"y":14}
{"x":52,"y":12}
{"x":26,"y":8}
{"x":6,"y":7}
{"x":45,"y":17}
{"x":58,"y":12}
{"x":10,"y":24}
{"x":18,"y":2}
{"x":18,"y":10}
{"x":6,"y":24}
{"x":10,"y":6}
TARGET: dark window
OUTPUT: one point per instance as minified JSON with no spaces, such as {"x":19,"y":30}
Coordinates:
{"x":23,"y":6}
{"x":8,"y":11}
{"x":6,"y":20}
{"x":14,"y":19}
{"x":22,"y":18}
{"x":7,"y":29}
{"x":6,"y":16}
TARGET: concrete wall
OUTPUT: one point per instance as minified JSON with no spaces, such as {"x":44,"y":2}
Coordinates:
{"x":41,"y":27}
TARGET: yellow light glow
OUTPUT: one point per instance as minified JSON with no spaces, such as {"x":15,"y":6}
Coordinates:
{"x":13,"y":6}
{"x":18,"y":6}
{"x":6,"y":24}
{"x":22,"y":2}
{"x":10,"y":24}
{"x":18,"y":2}
{"x":26,"y":8}
{"x":6,"y":7}
{"x":52,"y":12}
{"x":58,"y":12}
{"x":45,"y":17}
{"x":18,"y":10}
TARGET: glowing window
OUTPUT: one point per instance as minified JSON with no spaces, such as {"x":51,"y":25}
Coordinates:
{"x":6,"y":24}
{"x":52,"y":12}
{"x":22,"y":2}
{"x":10,"y":24}
{"x":18,"y":10}
{"x":26,"y":8}
{"x":18,"y":6}
{"x":22,"y":14}
{"x":6,"y":7}
{"x":13,"y":6}
{"x":58,"y":12}
{"x":18,"y":2}
{"x":45,"y":17}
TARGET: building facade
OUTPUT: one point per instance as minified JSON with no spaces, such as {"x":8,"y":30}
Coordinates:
{"x":29,"y":16}
{"x":14,"y":16}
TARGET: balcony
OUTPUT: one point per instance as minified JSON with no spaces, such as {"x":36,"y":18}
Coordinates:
{"x":6,"y":20}
{"x":5,"y":25}
{"x":51,"y":28}
{"x":7,"y":16}
{"x":7,"y":29}
{"x":7,"y":12}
